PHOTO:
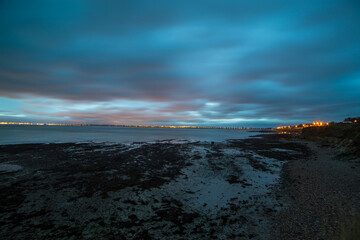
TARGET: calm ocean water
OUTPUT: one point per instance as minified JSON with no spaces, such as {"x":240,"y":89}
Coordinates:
{"x":45,"y":134}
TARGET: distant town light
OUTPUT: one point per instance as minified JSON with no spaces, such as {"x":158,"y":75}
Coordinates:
{"x":313,"y":124}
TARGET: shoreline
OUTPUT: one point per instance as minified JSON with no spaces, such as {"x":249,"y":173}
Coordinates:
{"x":323,"y":195}
{"x":235,"y":189}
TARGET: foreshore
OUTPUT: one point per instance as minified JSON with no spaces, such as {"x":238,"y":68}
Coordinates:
{"x":266,"y":187}
{"x":323,"y":193}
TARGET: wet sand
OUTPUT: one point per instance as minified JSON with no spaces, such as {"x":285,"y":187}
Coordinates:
{"x":238,"y":189}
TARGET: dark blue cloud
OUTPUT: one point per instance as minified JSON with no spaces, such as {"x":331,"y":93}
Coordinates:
{"x":198,"y":62}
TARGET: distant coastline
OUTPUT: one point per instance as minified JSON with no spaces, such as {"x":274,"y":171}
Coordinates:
{"x":135,"y":126}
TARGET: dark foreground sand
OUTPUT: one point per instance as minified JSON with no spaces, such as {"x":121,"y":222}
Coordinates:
{"x":323,"y":193}
{"x":257,"y":188}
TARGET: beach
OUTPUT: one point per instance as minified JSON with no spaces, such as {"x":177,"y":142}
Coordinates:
{"x":264,"y":187}
{"x":179,"y":120}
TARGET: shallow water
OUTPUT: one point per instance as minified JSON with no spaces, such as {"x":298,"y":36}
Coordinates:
{"x":44,"y":134}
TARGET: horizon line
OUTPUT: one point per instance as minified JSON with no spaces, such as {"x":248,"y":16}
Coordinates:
{"x":125,"y":125}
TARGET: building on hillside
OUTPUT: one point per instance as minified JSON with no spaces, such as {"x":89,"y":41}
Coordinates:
{"x":352,"y":120}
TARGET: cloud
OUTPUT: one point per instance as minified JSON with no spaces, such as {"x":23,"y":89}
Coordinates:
{"x":203,"y":61}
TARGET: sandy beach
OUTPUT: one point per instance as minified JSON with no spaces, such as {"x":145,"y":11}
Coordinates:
{"x":265,"y":187}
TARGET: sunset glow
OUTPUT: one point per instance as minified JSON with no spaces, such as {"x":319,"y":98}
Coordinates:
{"x":208,"y":63}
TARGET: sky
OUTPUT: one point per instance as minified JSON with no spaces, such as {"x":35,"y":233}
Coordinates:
{"x":200,"y":62}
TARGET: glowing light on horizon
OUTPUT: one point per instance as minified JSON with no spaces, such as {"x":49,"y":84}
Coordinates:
{"x":313,"y":124}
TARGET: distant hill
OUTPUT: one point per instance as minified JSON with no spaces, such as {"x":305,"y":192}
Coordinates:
{"x":345,"y":134}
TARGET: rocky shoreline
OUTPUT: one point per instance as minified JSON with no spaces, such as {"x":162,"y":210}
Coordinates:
{"x":323,"y":192}
{"x":237,"y":189}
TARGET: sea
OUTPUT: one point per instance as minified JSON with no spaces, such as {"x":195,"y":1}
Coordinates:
{"x":16,"y":134}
